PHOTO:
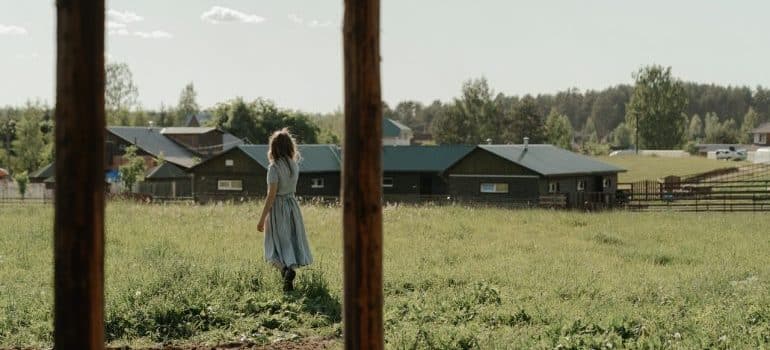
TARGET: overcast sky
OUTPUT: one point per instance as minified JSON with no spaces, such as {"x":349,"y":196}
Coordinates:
{"x":290,"y":50}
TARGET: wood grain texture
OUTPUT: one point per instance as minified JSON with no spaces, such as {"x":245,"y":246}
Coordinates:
{"x":79,"y":200}
{"x":362,"y":172}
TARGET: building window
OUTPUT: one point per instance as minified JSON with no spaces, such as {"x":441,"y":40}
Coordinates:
{"x":607,"y":183}
{"x":581,"y":185}
{"x":494,"y":188}
{"x":553,"y":187}
{"x":230,"y":185}
{"x":387,"y":182}
{"x":317,"y":183}
{"x":229,"y":162}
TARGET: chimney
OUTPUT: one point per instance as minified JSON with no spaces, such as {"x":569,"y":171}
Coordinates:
{"x":489,"y":141}
{"x":150,"y":123}
{"x":526,"y":142}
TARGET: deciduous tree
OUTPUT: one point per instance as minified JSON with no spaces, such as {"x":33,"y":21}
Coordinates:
{"x":656,"y":108}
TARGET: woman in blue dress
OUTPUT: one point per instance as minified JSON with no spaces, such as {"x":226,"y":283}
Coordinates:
{"x":286,"y":245}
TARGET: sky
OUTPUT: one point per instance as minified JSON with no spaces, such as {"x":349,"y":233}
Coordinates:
{"x":290,"y":51}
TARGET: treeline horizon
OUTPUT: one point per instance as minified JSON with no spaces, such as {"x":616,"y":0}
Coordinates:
{"x":590,"y":121}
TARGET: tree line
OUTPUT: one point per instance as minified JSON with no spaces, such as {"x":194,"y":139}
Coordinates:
{"x":659,"y":110}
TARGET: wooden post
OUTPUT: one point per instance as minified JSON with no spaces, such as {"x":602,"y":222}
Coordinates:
{"x":79,"y":199}
{"x":362,"y":177}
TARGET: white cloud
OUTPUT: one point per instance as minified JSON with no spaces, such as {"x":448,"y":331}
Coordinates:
{"x":123,"y":17}
{"x":296,"y":19}
{"x":313,"y":23}
{"x":31,"y":56}
{"x":12,"y":30}
{"x":218,"y":14}
{"x":115,"y":25}
{"x":120,"y":32}
{"x":155,"y":34}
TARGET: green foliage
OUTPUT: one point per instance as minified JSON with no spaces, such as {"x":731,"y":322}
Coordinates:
{"x":132,"y":169}
{"x":621,"y":137}
{"x":656,"y":108}
{"x":29,"y":146}
{"x":22,"y":179}
{"x":750,"y":122}
{"x":187,"y":105}
{"x":256,"y":120}
{"x":716,"y":132}
{"x":120,"y":93}
{"x":691,"y":147}
{"x":558,"y":130}
{"x":695,"y":129}
{"x":595,"y":148}
{"x":525,"y":121}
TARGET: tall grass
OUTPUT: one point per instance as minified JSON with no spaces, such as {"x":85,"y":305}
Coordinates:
{"x":455,"y":278}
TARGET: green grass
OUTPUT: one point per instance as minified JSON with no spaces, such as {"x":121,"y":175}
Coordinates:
{"x":651,"y":168}
{"x":455,"y":278}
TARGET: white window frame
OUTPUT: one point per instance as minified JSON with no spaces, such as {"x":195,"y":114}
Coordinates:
{"x":494,"y":187}
{"x":229,"y":162}
{"x":606,"y":183}
{"x":317,"y":182}
{"x":387,"y":179}
{"x":230,"y":185}
{"x":581,"y":185}
{"x":553,"y":187}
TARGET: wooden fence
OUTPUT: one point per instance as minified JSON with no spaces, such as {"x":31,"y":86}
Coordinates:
{"x":731,"y":195}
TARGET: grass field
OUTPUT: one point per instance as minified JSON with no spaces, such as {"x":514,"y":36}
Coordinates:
{"x":455,"y":278}
{"x":651,"y":168}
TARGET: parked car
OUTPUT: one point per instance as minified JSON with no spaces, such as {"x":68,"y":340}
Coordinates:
{"x":731,"y":153}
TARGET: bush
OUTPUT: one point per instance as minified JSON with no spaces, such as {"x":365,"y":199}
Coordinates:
{"x":22,"y":179}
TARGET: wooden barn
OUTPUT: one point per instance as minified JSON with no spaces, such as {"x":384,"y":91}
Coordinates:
{"x":240,"y":173}
{"x":532,"y":174}
{"x":413,"y":172}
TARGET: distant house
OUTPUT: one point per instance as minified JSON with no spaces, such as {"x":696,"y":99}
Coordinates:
{"x":180,"y":148}
{"x":4,"y":175}
{"x":530,"y":174}
{"x":762,"y":135}
{"x":417,"y":170}
{"x":241,"y":172}
{"x":42,"y":174}
{"x":395,"y":134}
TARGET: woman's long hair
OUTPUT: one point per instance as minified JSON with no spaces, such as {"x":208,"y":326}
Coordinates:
{"x":282,"y":146}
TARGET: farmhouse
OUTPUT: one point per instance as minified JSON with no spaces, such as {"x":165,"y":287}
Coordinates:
{"x":762,"y":135}
{"x":532,"y":174}
{"x":413,"y":171}
{"x":395,"y":133}
{"x":240,"y":173}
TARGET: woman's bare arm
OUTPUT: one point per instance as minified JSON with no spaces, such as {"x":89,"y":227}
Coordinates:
{"x":272,"y":189}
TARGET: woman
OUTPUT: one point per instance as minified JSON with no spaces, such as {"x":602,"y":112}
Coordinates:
{"x":286,"y":244}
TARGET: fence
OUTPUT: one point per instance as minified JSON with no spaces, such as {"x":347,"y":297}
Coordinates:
{"x":728,"y":195}
{"x":36,"y":192}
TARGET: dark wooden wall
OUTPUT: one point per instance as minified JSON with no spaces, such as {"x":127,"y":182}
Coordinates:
{"x":244,"y":168}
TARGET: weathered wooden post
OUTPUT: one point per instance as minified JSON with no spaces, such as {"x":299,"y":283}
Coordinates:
{"x":79,"y":199}
{"x":362,"y":172}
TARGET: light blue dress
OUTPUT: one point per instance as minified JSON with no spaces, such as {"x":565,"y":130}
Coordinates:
{"x":286,"y":243}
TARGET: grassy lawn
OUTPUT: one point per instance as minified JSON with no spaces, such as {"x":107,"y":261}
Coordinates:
{"x":643,"y":168}
{"x":455,"y":278}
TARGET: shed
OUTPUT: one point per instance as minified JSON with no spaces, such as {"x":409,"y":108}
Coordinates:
{"x":167,"y":181}
{"x":40,"y":175}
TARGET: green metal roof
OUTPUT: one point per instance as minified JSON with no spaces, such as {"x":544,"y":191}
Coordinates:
{"x":392,"y":128}
{"x":313,"y":158}
{"x":44,"y":172}
{"x":422,"y":158}
{"x":166,"y":171}
{"x":549,"y":160}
